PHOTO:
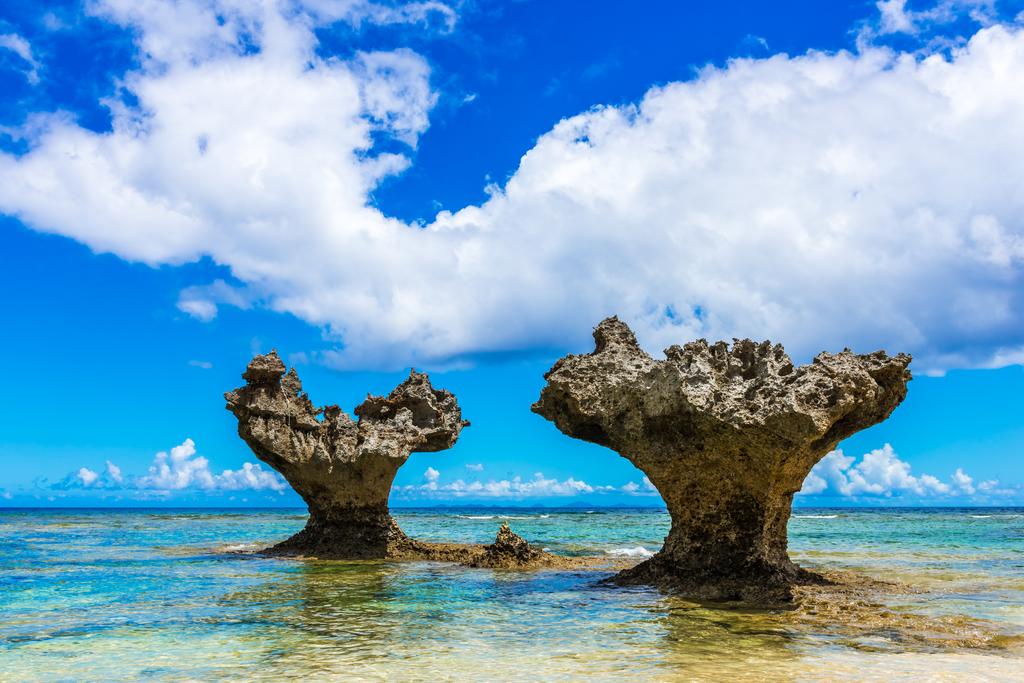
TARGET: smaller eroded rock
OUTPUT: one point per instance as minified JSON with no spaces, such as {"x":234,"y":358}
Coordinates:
{"x":509,"y":551}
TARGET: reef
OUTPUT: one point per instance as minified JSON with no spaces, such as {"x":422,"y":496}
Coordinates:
{"x":727,"y":436}
{"x":343,"y":468}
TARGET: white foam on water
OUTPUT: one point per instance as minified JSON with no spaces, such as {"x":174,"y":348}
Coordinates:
{"x":476,"y":516}
{"x":239,"y":548}
{"x":815,"y":516}
{"x":638,"y":551}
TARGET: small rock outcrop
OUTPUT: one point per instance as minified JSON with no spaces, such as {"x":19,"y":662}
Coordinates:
{"x":509,"y":551}
{"x":343,"y":467}
{"x":727,"y":436}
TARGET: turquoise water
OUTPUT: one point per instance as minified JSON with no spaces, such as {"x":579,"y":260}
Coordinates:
{"x":158,"y":595}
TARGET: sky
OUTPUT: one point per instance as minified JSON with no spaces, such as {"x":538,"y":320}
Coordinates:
{"x":468,"y":188}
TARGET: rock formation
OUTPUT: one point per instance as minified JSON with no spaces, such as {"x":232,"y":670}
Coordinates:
{"x":727,"y":436}
{"x":342,"y":467}
{"x":508,"y":551}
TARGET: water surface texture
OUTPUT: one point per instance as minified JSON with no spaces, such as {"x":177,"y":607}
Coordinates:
{"x":159,"y":595}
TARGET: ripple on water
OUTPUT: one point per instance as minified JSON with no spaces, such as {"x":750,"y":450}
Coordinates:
{"x":170,"y":598}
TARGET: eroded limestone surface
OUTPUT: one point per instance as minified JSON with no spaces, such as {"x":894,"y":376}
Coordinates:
{"x":343,"y":467}
{"x":727,"y":436}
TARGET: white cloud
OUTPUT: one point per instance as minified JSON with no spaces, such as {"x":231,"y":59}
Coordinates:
{"x":475,"y":467}
{"x":881,"y":473}
{"x":251,"y":476}
{"x":202,"y":364}
{"x":517,"y":487}
{"x":177,"y":471}
{"x":6,"y":495}
{"x":895,"y":17}
{"x":745,"y":202}
{"x":87,"y":477}
{"x":201,"y":302}
{"x":21,"y":47}
{"x":114,"y":473}
{"x":963,"y":481}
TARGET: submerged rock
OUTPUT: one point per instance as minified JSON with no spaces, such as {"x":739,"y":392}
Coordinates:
{"x":727,"y":436}
{"x":343,"y":467}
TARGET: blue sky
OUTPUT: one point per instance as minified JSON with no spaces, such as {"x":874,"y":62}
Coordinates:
{"x":469,"y":187}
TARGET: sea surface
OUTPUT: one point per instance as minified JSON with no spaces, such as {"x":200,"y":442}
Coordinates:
{"x":164,"y":595}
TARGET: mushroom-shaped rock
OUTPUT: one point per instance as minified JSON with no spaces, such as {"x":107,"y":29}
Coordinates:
{"x":342,"y":467}
{"x":727,"y":436}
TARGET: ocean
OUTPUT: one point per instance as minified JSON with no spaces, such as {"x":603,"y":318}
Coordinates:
{"x":164,"y":595}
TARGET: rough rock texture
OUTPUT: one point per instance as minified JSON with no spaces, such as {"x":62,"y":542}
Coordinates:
{"x":343,"y":467}
{"x":509,"y":550}
{"x":727,"y":436}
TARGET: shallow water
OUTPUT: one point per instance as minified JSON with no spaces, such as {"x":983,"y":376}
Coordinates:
{"x":128,"y":595}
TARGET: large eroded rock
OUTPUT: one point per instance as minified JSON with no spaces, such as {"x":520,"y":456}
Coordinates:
{"x":727,"y":436}
{"x":343,"y":467}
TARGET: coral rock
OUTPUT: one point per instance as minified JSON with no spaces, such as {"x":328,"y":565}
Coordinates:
{"x":342,"y":467}
{"x":509,"y":551}
{"x":727,"y":436}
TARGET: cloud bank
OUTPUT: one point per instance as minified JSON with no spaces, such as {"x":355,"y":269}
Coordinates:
{"x":516,"y":488}
{"x":177,"y":470}
{"x":882,"y":474}
{"x":861,"y":199}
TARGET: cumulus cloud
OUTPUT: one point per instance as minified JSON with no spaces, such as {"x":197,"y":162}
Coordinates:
{"x":881,"y":473}
{"x":895,"y":17}
{"x":202,"y":301}
{"x":517,"y":487}
{"x":16,"y":44}
{"x":475,"y":467}
{"x":744,"y":202}
{"x":177,"y":470}
{"x":86,"y":476}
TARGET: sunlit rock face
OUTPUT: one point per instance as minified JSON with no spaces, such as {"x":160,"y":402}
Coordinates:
{"x":342,"y":467}
{"x":727,"y":436}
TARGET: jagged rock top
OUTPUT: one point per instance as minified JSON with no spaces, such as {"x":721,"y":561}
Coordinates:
{"x":745,"y":385}
{"x":413,"y":417}
{"x":508,"y":551}
{"x":308,"y":444}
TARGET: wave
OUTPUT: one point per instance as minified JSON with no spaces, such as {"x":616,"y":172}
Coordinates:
{"x":815,"y":516}
{"x":638,"y":551}
{"x":476,"y":516}
{"x":240,"y":548}
{"x":981,"y":516}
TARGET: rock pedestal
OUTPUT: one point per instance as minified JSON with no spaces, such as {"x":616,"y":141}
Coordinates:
{"x":727,"y":435}
{"x":342,"y":467}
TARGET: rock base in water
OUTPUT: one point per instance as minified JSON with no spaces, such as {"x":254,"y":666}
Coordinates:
{"x":727,"y":435}
{"x":511,"y":551}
